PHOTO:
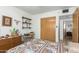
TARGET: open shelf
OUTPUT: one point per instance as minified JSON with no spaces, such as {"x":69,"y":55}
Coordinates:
{"x":26,"y":23}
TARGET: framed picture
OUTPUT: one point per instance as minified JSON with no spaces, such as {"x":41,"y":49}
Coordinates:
{"x":7,"y":21}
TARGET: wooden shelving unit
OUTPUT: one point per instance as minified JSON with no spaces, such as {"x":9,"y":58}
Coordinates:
{"x":26,"y":23}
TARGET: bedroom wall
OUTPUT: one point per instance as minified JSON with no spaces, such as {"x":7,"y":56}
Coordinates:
{"x":16,"y":14}
{"x":57,"y":13}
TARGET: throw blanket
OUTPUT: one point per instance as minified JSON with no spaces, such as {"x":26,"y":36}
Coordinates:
{"x":34,"y":46}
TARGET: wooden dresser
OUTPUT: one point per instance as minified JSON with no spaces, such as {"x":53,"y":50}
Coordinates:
{"x":10,"y":42}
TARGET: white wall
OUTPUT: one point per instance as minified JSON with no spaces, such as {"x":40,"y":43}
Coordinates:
{"x":15,"y":13}
{"x":57,"y":13}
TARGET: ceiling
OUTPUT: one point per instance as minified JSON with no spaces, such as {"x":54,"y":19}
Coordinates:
{"x":40,"y":9}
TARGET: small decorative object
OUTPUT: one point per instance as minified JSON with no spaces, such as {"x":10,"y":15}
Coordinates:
{"x":2,"y":36}
{"x":7,"y":21}
{"x":7,"y":35}
{"x":17,"y":22}
{"x":14,"y":32}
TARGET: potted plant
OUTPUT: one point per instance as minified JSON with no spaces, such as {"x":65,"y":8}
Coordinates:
{"x":14,"y":32}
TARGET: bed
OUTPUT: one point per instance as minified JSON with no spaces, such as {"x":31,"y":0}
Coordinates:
{"x":34,"y":46}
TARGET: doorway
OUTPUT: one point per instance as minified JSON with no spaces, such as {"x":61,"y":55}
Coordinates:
{"x":66,"y":27}
{"x":68,"y":30}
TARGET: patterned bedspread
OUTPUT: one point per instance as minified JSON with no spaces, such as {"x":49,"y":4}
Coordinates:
{"x":34,"y":46}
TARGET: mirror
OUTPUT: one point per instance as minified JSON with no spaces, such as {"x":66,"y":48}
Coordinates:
{"x":65,"y":28}
{"x":67,"y":32}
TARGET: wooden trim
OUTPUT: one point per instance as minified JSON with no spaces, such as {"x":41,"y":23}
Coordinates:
{"x":48,"y":17}
{"x":75,"y":35}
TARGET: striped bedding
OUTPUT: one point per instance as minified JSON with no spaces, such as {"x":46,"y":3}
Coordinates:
{"x":34,"y":46}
